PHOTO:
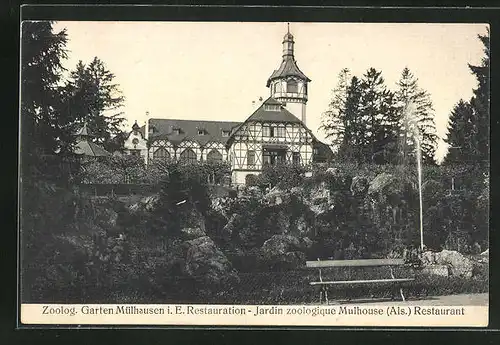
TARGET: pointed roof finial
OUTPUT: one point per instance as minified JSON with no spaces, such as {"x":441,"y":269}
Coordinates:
{"x":288,"y":27}
{"x":135,"y":127}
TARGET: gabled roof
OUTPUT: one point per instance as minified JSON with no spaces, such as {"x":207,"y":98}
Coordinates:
{"x":262,"y":114}
{"x":164,"y":129}
{"x":88,"y":148}
{"x":288,"y":68}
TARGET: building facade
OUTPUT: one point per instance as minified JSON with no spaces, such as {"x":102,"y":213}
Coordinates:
{"x":275,"y":132}
{"x":135,"y":143}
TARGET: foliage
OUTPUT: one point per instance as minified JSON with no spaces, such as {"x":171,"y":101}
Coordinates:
{"x":365,"y":121}
{"x":408,"y":92}
{"x":283,"y":176}
{"x":94,"y":98}
{"x":335,"y":119}
{"x":469,"y":122}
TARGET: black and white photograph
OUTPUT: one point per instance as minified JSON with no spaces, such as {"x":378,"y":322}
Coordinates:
{"x":238,"y":172}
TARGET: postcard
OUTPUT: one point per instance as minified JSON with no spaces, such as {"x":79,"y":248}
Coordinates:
{"x":254,"y":173}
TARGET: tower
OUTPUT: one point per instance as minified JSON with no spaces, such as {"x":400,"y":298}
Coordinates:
{"x":288,"y":84}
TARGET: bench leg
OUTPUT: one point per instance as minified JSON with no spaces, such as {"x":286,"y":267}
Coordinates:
{"x":402,"y":296}
{"x":326,"y":296}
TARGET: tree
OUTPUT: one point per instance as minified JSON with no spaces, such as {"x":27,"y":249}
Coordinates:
{"x":408,"y":92}
{"x":351,"y":145}
{"x":333,"y":122}
{"x":43,"y":125}
{"x":480,"y":103}
{"x":461,"y":132}
{"x":96,"y":100}
{"x":469,"y":122}
{"x":379,"y":118}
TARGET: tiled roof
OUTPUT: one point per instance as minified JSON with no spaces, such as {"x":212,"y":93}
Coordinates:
{"x":88,"y":148}
{"x":164,"y":128}
{"x":324,"y":154}
{"x":288,"y":68}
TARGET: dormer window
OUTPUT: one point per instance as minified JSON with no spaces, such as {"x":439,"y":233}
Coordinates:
{"x":177,"y":131}
{"x":225,"y":133}
{"x":201,"y":131}
{"x":272,"y":107}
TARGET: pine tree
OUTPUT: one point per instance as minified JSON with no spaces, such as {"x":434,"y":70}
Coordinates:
{"x":96,"y":99}
{"x":408,"y":92}
{"x":480,"y":103}
{"x":43,"y":125}
{"x":333,"y":122}
{"x":351,"y":146}
{"x":469,"y":122}
{"x":379,"y":118}
{"x":461,"y":132}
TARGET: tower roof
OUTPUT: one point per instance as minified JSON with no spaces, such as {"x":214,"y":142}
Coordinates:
{"x":288,"y":68}
{"x":88,"y":148}
{"x":135,"y":127}
{"x":84,"y":131}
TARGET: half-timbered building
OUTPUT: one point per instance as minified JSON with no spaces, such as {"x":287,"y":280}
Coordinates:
{"x":188,"y":140}
{"x":275,"y":132}
{"x":135,"y":143}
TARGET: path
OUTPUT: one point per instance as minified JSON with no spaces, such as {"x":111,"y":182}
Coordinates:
{"x":480,"y":299}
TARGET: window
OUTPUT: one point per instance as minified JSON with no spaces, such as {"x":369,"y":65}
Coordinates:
{"x":250,"y":158}
{"x":214,"y":156}
{"x":201,"y":131}
{"x":161,"y":153}
{"x":315,"y":151}
{"x":135,"y":141}
{"x":177,"y":131}
{"x":292,"y":86}
{"x":225,"y":133}
{"x":136,"y":153}
{"x":296,"y":157}
{"x":265,"y":131}
{"x":272,"y":132}
{"x":280,"y":132}
{"x":188,"y":155}
{"x":272,"y":107}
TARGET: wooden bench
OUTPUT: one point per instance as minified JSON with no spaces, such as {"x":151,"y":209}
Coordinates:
{"x":357,"y":263}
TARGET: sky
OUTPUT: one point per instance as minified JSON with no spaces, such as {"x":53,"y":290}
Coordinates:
{"x":213,"y":71}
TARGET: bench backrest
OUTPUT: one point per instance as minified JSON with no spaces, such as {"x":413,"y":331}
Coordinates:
{"x":355,"y":263}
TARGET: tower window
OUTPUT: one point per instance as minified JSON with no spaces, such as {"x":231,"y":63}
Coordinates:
{"x":292,"y":86}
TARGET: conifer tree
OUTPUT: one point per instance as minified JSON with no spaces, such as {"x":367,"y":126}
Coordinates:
{"x":408,"y":92}
{"x":42,"y":53}
{"x":480,"y":103}
{"x":379,"y":118}
{"x":351,"y":146}
{"x":460,"y":136}
{"x":469,"y":122}
{"x":96,"y":99}
{"x":333,"y":121}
